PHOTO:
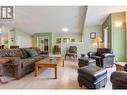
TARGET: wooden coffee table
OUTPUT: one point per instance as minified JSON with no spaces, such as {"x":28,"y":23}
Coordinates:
{"x":120,"y":66}
{"x":49,"y":62}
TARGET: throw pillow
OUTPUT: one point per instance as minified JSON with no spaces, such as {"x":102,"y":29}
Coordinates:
{"x":24,"y":52}
{"x":32,"y":52}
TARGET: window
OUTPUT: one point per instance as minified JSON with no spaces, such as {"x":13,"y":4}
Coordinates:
{"x":106,"y":37}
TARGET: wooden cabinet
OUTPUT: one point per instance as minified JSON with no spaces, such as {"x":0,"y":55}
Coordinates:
{"x":120,"y":66}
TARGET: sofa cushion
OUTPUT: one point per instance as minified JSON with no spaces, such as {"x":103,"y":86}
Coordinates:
{"x":24,"y":52}
{"x":11,"y":53}
{"x":32,"y":52}
{"x":15,"y":52}
{"x":4,"y":52}
{"x":100,"y":51}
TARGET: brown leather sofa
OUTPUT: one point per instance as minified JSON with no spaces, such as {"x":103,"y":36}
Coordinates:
{"x":104,"y":57}
{"x":21,"y":63}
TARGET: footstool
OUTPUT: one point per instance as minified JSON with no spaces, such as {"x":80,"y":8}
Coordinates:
{"x":92,"y":77}
{"x":84,"y":61}
{"x":119,"y":80}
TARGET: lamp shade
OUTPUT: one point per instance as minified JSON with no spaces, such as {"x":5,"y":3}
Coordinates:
{"x":99,"y":39}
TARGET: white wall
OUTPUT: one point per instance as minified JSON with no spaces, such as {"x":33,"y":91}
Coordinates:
{"x":23,"y":39}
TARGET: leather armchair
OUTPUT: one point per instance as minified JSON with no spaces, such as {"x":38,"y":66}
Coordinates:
{"x":56,"y":49}
{"x":119,"y":80}
{"x":72,"y":52}
{"x":104,"y":57}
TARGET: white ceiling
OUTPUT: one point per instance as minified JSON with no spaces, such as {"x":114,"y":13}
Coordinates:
{"x":33,"y":19}
{"x":96,"y":15}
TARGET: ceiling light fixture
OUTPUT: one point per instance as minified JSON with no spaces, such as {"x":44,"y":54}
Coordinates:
{"x":65,"y":29}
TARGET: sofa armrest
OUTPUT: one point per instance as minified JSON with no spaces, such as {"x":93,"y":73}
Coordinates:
{"x":91,"y":53}
{"x":14,"y":60}
{"x":12,"y":68}
{"x":107,"y":55}
{"x":96,"y":57}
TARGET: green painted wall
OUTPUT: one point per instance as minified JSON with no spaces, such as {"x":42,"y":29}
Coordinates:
{"x":126,"y":33}
{"x":119,"y":36}
{"x":48,"y":34}
{"x":52,"y":39}
{"x":65,"y":46}
{"x":77,"y":37}
{"x":116,"y":35}
{"x":80,"y":48}
{"x":90,"y":44}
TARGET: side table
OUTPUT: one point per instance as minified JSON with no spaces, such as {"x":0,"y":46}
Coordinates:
{"x":3,"y":61}
{"x":120,"y":66}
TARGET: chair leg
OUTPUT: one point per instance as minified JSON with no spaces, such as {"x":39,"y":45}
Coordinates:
{"x":76,"y":57}
{"x":73,"y":58}
{"x":80,"y":85}
{"x":65,"y":57}
{"x":103,"y":85}
{"x":70,"y":57}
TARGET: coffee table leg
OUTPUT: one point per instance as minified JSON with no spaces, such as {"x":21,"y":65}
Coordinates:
{"x":63,"y":63}
{"x":3,"y":82}
{"x":55,"y":72}
{"x":36,"y":70}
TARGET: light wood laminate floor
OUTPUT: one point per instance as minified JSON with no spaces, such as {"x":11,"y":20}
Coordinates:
{"x":67,"y":79}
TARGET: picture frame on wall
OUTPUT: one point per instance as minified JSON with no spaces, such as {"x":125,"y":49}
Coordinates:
{"x":58,"y":40}
{"x":92,"y":35}
{"x":66,"y":40}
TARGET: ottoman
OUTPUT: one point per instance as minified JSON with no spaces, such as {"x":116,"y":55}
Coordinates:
{"x":92,"y":77}
{"x":84,"y":61}
{"x":119,"y":80}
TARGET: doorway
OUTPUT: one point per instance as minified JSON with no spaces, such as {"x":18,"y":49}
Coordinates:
{"x":42,"y":43}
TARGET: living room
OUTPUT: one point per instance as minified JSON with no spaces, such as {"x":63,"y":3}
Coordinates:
{"x":48,"y":47}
